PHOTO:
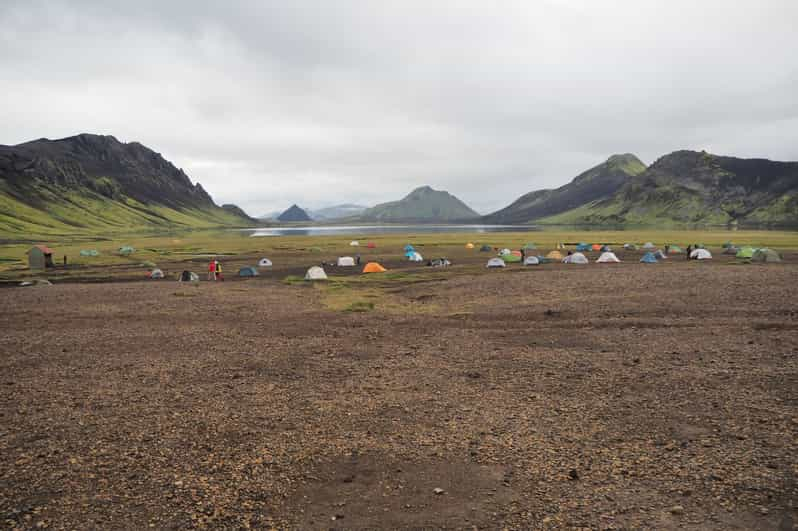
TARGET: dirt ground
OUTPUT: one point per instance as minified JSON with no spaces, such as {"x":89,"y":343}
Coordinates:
{"x":619,"y":396}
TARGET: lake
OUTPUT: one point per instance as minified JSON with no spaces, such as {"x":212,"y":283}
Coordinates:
{"x":333,"y":230}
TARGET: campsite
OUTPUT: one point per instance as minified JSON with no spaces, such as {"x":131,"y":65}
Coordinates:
{"x":593,"y":395}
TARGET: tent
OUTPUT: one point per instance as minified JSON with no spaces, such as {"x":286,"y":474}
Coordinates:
{"x":675,"y":249}
{"x":345,"y":261}
{"x":511,"y":258}
{"x":745,"y":252}
{"x":582,"y":246}
{"x":505,"y":251}
{"x":374,"y":267}
{"x":649,"y":258}
{"x":485,"y":249}
{"x":440,"y":262}
{"x":766,"y":255}
{"x":630,"y":246}
{"x":89,"y":252}
{"x":315,"y":273}
{"x":529,"y":246}
{"x":371,"y":245}
{"x":496,"y":262}
{"x":699,"y":246}
{"x":126,"y":250}
{"x":315,"y":249}
{"x":40,"y":257}
{"x":659,"y":255}
{"x":554,"y":255}
{"x":596,"y":247}
{"x":415,"y":256}
{"x":560,"y":245}
{"x":517,"y":253}
{"x":649,"y":245}
{"x":188,"y":276}
{"x":543,"y":259}
{"x":576,"y":258}
{"x":606,"y":249}
{"x":726,"y":245}
{"x":264,"y":262}
{"x":469,"y":245}
{"x":148,"y":264}
{"x":531,"y":260}
{"x":354,"y":243}
{"x":156,"y":274}
{"x":409,"y":248}
{"x":607,"y":257}
{"x":700,"y":254}
{"x":731,"y":250}
{"x":409,"y":254}
{"x":248,"y":271}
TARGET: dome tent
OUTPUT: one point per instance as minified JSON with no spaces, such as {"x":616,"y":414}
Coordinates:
{"x":731,"y":250}
{"x":576,"y":258}
{"x":374,"y":267}
{"x":264,"y":262}
{"x":583,"y":247}
{"x":700,"y":254}
{"x":505,"y":251}
{"x":354,"y":243}
{"x":531,"y":260}
{"x":649,"y":245}
{"x":248,"y":271}
{"x":659,"y":255}
{"x":440,"y":262}
{"x":554,"y":255}
{"x":126,"y":250}
{"x":345,"y":261}
{"x":766,"y":255}
{"x":496,"y":262}
{"x":745,"y":252}
{"x":596,"y":247}
{"x":415,"y":256}
{"x":511,"y":258}
{"x":89,"y":252}
{"x":315,"y":273}
{"x":630,"y":246}
{"x":607,"y":257}
{"x":485,"y":249}
{"x":156,"y":274}
{"x":649,"y":258}
{"x":409,"y":248}
{"x":188,"y":276}
{"x":606,"y":248}
{"x":675,"y":249}
{"x":469,"y":245}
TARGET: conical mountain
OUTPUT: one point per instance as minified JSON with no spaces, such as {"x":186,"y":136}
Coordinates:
{"x":421,"y":205}
{"x":294,"y":213}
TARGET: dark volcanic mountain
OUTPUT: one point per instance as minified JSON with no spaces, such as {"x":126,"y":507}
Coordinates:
{"x":421,"y":205}
{"x":596,"y":183}
{"x":96,"y":182}
{"x":690,"y":187}
{"x":294,"y":214}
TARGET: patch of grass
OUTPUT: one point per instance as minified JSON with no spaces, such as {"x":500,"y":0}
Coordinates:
{"x":360,"y":306}
{"x":293,"y":280}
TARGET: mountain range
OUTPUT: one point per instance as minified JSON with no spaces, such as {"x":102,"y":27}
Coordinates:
{"x":97,"y":183}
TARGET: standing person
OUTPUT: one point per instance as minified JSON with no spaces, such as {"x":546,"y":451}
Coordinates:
{"x":523,"y":254}
{"x":689,"y":250}
{"x":212,"y":270}
{"x":357,"y":258}
{"x":219,"y":271}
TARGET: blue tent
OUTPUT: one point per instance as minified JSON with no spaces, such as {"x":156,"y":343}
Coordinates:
{"x":583,"y":247}
{"x":410,"y":254}
{"x":649,"y":258}
{"x":409,"y":248}
{"x":247,"y":272}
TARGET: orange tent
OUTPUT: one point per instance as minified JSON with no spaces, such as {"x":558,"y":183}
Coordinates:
{"x":516,"y":253}
{"x":374,"y":267}
{"x":596,"y":247}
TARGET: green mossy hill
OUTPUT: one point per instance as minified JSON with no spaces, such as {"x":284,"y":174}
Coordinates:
{"x":690,"y":187}
{"x":597,"y":183}
{"x":422,"y":205}
{"x":96,"y":183}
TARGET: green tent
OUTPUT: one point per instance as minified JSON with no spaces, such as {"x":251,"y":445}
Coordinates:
{"x":675,"y":249}
{"x":745,"y":252}
{"x":89,"y":252}
{"x":510,"y":258}
{"x":148,"y":264}
{"x":766,"y":255}
{"x":126,"y":250}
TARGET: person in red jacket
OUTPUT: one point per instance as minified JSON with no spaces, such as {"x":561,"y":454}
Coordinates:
{"x":212,"y":270}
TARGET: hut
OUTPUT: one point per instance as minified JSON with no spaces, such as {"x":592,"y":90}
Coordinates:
{"x":40,"y":257}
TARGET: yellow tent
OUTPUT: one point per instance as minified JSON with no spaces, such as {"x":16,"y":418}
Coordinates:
{"x":469,"y":245}
{"x":554,"y":255}
{"x":374,"y":267}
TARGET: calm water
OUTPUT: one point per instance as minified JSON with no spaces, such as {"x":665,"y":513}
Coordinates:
{"x":332,"y":230}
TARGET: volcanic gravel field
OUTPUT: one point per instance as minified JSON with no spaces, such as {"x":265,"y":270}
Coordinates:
{"x":618,"y":396}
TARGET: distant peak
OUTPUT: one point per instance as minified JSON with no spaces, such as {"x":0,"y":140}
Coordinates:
{"x":423,"y":189}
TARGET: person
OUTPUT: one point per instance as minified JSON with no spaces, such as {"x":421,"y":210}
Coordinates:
{"x":357,"y":259}
{"x":212,"y":270}
{"x":667,"y":248}
{"x":570,"y":253}
{"x":219,"y":271}
{"x":64,"y":259}
{"x":523,"y":254}
{"x":689,"y":250}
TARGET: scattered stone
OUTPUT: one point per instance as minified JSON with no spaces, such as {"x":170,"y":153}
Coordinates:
{"x":677,"y":510}
{"x":438,"y":491}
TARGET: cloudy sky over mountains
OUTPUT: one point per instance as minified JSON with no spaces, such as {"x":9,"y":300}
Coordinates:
{"x":323,"y":102}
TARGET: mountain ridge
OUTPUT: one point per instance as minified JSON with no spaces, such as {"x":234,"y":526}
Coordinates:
{"x":423,"y":204}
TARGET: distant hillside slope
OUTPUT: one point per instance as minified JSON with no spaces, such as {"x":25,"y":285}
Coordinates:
{"x":594,"y":184}
{"x":336,"y":212}
{"x":294,"y":213}
{"x":689,"y":187}
{"x":96,"y":183}
{"x":423,"y":205}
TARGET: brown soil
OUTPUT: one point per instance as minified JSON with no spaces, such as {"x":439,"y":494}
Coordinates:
{"x":602,"y":397}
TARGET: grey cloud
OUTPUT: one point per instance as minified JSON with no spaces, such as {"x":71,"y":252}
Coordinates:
{"x":270,"y":103}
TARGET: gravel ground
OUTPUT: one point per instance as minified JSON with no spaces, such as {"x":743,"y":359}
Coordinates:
{"x":600,"y":397}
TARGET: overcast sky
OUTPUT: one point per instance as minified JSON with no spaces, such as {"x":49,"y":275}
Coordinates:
{"x":268,"y":103}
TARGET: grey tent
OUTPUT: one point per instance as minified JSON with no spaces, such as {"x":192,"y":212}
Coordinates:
{"x":248,"y":271}
{"x":531,"y":260}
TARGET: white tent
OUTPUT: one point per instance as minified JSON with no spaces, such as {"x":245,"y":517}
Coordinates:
{"x":315,"y":273}
{"x":156,"y":273}
{"x":531,"y":260}
{"x":354,"y":243}
{"x":345,"y":261}
{"x":700,"y":254}
{"x":415,"y":257}
{"x":576,"y":258}
{"x":649,"y":245}
{"x":265,"y":262}
{"x":505,"y":252}
{"x":496,"y":262}
{"x":607,"y":258}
